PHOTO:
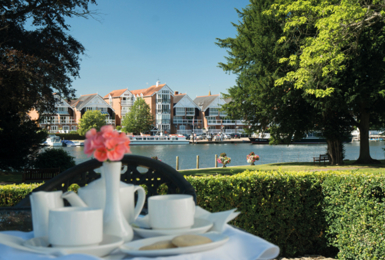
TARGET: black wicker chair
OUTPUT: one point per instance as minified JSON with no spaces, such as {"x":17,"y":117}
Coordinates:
{"x":138,"y":170}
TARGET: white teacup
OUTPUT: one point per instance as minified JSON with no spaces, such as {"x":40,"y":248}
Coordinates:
{"x":75,"y":226}
{"x":171,"y":211}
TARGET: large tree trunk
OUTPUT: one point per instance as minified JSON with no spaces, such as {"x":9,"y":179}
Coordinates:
{"x":364,"y":140}
{"x":335,"y":151}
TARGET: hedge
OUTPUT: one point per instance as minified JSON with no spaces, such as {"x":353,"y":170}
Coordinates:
{"x":10,"y":195}
{"x":327,"y":213}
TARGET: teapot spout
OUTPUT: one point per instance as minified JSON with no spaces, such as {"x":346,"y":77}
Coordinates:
{"x":73,"y":199}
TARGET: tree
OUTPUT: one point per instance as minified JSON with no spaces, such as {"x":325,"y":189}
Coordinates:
{"x":37,"y":56}
{"x":54,"y":158}
{"x":91,"y":119}
{"x":20,"y":141}
{"x":289,"y":112}
{"x":348,"y":46}
{"x":139,"y":119}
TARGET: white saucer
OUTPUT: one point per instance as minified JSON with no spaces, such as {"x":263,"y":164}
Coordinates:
{"x":108,"y":244}
{"x":132,"y":248}
{"x":200,"y":226}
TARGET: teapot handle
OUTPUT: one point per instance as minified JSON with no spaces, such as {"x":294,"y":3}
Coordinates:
{"x":140,"y":202}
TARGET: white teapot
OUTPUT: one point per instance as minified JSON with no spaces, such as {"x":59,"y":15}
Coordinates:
{"x":94,"y":195}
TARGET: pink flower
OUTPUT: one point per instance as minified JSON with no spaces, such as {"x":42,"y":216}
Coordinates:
{"x":101,"y":154}
{"x":106,"y":144}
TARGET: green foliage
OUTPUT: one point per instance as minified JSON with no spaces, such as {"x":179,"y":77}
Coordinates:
{"x":20,"y":140}
{"x":38,"y":56}
{"x":118,"y":128}
{"x":285,"y":208}
{"x":139,"y":119}
{"x":354,"y":210}
{"x":10,"y":195}
{"x":54,"y":158}
{"x":91,"y":119}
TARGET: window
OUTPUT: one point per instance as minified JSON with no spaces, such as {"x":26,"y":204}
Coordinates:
{"x":214,"y":111}
{"x":180,"y":111}
{"x":54,"y":127}
{"x":165,"y":109}
{"x":66,"y":127}
{"x":73,"y":128}
{"x":190,"y":111}
{"x":63,"y":119}
{"x":211,"y":119}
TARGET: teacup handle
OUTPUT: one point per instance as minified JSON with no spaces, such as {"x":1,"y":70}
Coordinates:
{"x":140,"y":202}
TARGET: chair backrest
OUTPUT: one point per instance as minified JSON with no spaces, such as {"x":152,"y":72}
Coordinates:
{"x":139,"y":170}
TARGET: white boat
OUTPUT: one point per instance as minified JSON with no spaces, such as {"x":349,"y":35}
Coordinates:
{"x":151,"y":140}
{"x":53,"y":140}
{"x":68,"y":143}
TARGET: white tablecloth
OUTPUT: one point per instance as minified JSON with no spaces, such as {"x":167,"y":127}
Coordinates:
{"x":241,"y":246}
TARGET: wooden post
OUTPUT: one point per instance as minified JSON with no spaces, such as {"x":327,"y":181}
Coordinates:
{"x":197,"y":161}
{"x":177,"y":163}
{"x":216,"y":162}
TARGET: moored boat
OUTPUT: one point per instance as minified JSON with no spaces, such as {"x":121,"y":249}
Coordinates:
{"x":155,"y":140}
{"x":53,"y":140}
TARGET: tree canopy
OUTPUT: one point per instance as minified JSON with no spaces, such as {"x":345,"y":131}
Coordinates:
{"x":20,"y":141}
{"x":37,"y":56}
{"x":139,"y":119}
{"x":91,"y":119}
{"x":293,"y":89}
{"x":342,"y":61}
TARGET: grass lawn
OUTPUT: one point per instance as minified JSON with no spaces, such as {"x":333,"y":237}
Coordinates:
{"x":16,"y":177}
{"x":292,"y":166}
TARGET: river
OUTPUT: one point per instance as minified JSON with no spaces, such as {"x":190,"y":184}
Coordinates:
{"x":237,"y":152}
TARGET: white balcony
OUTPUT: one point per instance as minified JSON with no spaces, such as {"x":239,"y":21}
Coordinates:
{"x":186,"y":121}
{"x":58,"y":122}
{"x":126,"y":103}
{"x":110,"y":122}
{"x":225,"y":122}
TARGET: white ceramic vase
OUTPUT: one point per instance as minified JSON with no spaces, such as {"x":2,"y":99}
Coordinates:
{"x":114,"y":222}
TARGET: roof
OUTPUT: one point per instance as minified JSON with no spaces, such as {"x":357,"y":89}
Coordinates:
{"x":148,"y":91}
{"x":83,"y":99}
{"x":205,"y":101}
{"x":178,"y":97}
{"x":116,"y":93}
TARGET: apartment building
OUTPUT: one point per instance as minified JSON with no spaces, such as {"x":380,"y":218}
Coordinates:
{"x":93,"y":102}
{"x":62,"y":120}
{"x":214,"y":120}
{"x":121,"y":101}
{"x":186,"y":115}
{"x":160,"y":99}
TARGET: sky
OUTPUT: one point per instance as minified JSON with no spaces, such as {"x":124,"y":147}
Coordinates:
{"x":133,"y":43}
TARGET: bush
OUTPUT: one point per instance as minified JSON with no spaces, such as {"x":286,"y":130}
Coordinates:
{"x":118,"y":128}
{"x":355,"y":213}
{"x":10,"y":195}
{"x":54,"y":158}
{"x":285,"y":208}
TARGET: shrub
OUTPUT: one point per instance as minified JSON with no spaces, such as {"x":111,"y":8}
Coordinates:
{"x":54,"y":158}
{"x":10,"y":195}
{"x":355,"y":213}
{"x":118,"y":128}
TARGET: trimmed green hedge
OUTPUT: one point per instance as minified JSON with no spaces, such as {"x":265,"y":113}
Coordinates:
{"x":285,"y":208}
{"x":355,"y":213}
{"x":10,"y":195}
{"x":302,"y":212}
